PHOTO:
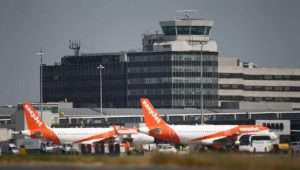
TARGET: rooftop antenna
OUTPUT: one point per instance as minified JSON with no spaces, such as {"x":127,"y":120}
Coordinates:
{"x":75,"y":46}
{"x":187,"y":13}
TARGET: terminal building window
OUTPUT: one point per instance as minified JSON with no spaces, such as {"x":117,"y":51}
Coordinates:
{"x":186,"y":30}
{"x":183,"y":30}
{"x":169,"y":30}
{"x":200,"y":30}
{"x":274,"y":126}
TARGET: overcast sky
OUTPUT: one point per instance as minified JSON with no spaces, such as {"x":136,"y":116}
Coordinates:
{"x":265,"y":32}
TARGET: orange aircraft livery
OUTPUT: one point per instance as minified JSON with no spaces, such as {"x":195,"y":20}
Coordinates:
{"x":36,"y":127}
{"x":186,"y":134}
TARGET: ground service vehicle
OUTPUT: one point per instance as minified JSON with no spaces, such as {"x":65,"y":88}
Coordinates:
{"x":166,"y":148}
{"x":256,"y":142}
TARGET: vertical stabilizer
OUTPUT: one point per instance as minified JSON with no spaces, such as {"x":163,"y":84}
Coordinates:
{"x":158,"y":128}
{"x":33,"y":120}
{"x":36,"y":126}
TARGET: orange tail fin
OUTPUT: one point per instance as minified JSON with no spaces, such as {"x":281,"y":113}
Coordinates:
{"x":158,"y":128}
{"x":32,"y":117}
{"x":35,"y":124}
{"x":151,"y":116}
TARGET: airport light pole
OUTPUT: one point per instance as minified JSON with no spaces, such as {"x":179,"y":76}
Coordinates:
{"x":41,"y":53}
{"x":202,"y":80}
{"x":100,"y":67}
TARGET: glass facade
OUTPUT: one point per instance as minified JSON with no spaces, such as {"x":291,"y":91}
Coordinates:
{"x":173,"y":79}
{"x":77,"y":80}
{"x":186,"y":30}
{"x":169,"y":79}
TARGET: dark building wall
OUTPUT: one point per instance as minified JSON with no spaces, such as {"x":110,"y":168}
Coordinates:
{"x":77,"y":79}
{"x":170,"y":79}
{"x":53,"y":84}
{"x":173,"y":79}
{"x":149,"y":75}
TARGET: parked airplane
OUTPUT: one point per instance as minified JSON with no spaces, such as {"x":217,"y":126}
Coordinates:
{"x":189,"y":134}
{"x":36,"y":127}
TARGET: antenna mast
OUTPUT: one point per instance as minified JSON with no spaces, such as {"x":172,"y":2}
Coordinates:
{"x":75,"y":46}
{"x":187,"y":13}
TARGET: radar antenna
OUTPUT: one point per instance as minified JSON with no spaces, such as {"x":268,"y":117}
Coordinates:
{"x":187,"y":13}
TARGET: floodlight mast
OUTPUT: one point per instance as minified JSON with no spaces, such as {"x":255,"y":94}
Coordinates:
{"x":100,"y":68}
{"x":41,"y":53}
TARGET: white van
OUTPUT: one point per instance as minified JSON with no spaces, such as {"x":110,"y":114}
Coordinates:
{"x":166,"y":148}
{"x":255,"y":143}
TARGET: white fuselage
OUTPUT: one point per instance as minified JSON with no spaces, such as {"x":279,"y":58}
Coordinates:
{"x":140,"y":138}
{"x":71,"y":135}
{"x":187,"y":133}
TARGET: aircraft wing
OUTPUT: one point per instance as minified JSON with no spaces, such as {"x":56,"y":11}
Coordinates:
{"x":126,"y":131}
{"x":211,"y":138}
{"x":98,"y":137}
{"x":93,"y":141}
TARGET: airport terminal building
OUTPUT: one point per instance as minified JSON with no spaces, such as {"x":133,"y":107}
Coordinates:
{"x":76,"y":79}
{"x":179,"y":70}
{"x":175,"y":69}
{"x":243,"y":85}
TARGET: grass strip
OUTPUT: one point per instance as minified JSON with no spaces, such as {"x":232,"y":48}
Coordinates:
{"x":226,"y":161}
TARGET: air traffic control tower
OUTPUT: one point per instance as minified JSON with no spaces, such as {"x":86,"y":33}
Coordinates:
{"x":182,"y":35}
{"x":177,"y":68}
